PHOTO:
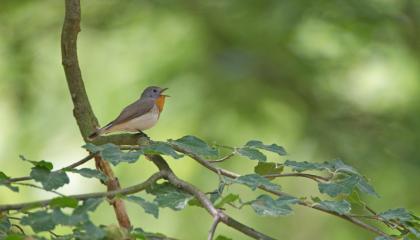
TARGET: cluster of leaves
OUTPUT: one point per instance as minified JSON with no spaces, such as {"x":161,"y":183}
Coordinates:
{"x":341,"y":184}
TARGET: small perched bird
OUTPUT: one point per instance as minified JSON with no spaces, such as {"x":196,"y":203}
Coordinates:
{"x":138,"y":116}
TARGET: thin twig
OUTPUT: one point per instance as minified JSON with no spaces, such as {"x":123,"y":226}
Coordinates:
{"x":20,"y":228}
{"x":223,"y":158}
{"x":204,"y":201}
{"x":71,"y":166}
{"x":213,"y":227}
{"x":38,"y":187}
{"x":305,"y":175}
{"x":230,"y":174}
{"x":125,"y":191}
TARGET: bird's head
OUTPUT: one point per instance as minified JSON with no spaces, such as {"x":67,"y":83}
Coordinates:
{"x":153,"y":92}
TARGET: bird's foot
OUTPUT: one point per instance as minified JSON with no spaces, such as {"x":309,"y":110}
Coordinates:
{"x":142,"y":134}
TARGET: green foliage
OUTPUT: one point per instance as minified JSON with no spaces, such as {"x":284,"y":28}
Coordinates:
{"x":304,"y":166}
{"x":49,"y":180}
{"x":161,"y":148}
{"x":399,"y":214}
{"x":266,"y":206}
{"x":195,"y":145}
{"x":169,"y":196}
{"x":272,"y":148}
{"x":254,"y":181}
{"x":62,"y":202}
{"x":89,"y":173}
{"x":344,"y":185}
{"x":39,"y":221}
{"x":5,"y":226}
{"x":339,"y":181}
{"x":112,"y":153}
{"x":139,"y":233}
{"x":229,"y":199}
{"x":221,"y":237}
{"x":148,"y":207}
{"x":3,"y":178}
{"x":252,"y":154}
{"x":340,"y":207}
{"x":267,"y":168}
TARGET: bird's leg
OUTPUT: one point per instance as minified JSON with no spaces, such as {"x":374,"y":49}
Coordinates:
{"x":142,"y":134}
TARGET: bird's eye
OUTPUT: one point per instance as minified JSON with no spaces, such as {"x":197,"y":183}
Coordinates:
{"x":154,"y":90}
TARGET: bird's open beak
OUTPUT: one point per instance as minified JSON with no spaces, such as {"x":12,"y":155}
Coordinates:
{"x":161,"y":91}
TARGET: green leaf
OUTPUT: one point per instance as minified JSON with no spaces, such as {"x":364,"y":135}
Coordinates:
{"x":266,"y":206}
{"x":88,"y":205}
{"x":61,"y":218}
{"x":5,"y":225}
{"x":3,"y":178}
{"x":339,"y":166}
{"x":195,"y":145}
{"x":161,"y":148}
{"x":365,"y":187}
{"x":42,"y":164}
{"x":254,"y":180}
{"x":148,"y":207}
{"x":39,"y":221}
{"x":89,"y":173}
{"x":340,"y":186}
{"x":169,"y":196}
{"x":88,"y":231}
{"x":268,"y":168}
{"x":221,"y":237}
{"x":399,"y":214}
{"x":113,"y":154}
{"x":304,"y":166}
{"x":62,"y":202}
{"x":230,"y":198}
{"x":15,"y":236}
{"x":252,"y":154}
{"x":340,"y":207}
{"x":415,"y":231}
{"x":49,"y":180}
{"x":355,"y":200}
{"x":272,"y":148}
{"x":139,"y":233}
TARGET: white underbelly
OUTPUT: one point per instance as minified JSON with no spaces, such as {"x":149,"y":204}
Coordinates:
{"x":143,"y":122}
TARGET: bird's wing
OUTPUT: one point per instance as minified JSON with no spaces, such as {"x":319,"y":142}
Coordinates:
{"x":133,"y":110}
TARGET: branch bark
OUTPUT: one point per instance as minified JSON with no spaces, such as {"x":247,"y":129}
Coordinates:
{"x":204,"y":201}
{"x":110,"y":194}
{"x":71,"y":166}
{"x":229,"y":174}
{"x":82,"y":111}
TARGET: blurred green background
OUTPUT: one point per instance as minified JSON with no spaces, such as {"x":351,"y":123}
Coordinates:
{"x":324,"y":79}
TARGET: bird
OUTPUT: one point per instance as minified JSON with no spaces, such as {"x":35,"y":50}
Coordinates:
{"x":140,"y":115}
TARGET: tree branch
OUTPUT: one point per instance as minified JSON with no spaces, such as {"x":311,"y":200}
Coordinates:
{"x":233,"y":175}
{"x":71,"y":166}
{"x":110,"y":194}
{"x":213,"y":227}
{"x":82,"y":111}
{"x":204,"y":201}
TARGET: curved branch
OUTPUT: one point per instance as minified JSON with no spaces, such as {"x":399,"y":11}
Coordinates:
{"x":204,"y":201}
{"x":71,"y":166}
{"x":82,"y":110}
{"x":230,"y":174}
{"x":110,"y":194}
{"x":305,"y":175}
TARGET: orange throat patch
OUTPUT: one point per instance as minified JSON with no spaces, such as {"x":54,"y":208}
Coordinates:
{"x":160,"y":102}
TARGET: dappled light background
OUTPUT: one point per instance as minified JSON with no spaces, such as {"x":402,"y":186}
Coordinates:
{"x":324,"y":79}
